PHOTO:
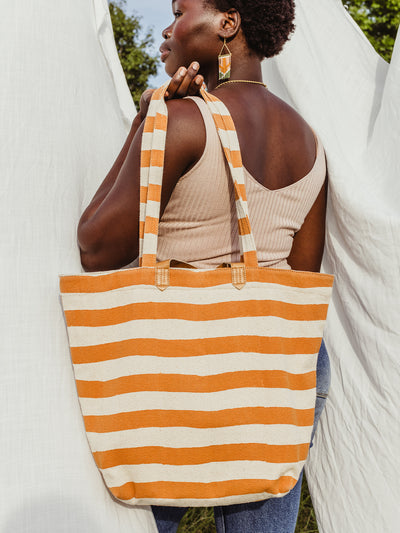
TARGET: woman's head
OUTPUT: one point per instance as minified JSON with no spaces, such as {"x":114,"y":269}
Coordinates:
{"x":266,"y":24}
{"x":254,"y":29}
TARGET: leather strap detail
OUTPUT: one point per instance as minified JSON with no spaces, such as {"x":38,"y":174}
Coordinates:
{"x":162,"y":275}
{"x":238,"y":275}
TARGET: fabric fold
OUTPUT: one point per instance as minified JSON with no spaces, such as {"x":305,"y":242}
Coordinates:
{"x":62,"y":127}
{"x":350,"y":96}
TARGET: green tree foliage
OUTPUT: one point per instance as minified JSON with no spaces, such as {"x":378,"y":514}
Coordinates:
{"x":133,"y":49}
{"x":379,"y":20}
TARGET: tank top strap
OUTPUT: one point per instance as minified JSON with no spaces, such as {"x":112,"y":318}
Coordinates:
{"x":213,"y":155}
{"x":319,"y":167}
{"x":211,"y":131}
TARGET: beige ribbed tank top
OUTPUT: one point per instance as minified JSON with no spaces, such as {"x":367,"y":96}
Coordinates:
{"x":199,"y":224}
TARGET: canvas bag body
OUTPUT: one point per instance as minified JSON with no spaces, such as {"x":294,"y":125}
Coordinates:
{"x":197,"y":387}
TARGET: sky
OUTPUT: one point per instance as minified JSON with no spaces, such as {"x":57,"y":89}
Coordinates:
{"x":158,"y":15}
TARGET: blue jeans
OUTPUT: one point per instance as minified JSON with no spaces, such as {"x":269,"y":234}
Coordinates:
{"x":276,"y":515}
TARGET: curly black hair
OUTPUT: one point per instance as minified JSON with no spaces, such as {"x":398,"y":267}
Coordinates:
{"x":266,"y":24}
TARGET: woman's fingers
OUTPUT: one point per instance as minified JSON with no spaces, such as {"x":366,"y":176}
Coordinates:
{"x":185,"y":82}
{"x":175,"y":82}
{"x":195,"y":85}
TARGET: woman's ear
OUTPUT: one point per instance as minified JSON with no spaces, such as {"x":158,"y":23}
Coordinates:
{"x":230,"y":24}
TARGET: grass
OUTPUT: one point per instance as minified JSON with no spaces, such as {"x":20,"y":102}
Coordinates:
{"x":198,"y":520}
{"x":306,"y":521}
{"x":201,"y":519}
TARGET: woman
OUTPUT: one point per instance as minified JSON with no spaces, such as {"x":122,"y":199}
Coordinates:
{"x":285,"y":179}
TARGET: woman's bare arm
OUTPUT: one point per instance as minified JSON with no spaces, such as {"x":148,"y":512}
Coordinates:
{"x":108,"y":228}
{"x":185,"y":82}
{"x":308,"y":243}
{"x":112,"y":175}
{"x":108,"y":232}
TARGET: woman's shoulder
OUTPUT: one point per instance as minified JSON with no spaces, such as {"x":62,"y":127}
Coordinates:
{"x":289,"y":124}
{"x":183,"y":112}
{"x":301,"y":143}
{"x":278,"y":146}
{"x":292,"y":139}
{"x":186,"y":131}
{"x":185,"y":142}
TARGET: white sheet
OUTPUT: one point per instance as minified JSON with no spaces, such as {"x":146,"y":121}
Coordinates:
{"x":332,"y":75}
{"x":64,"y":108}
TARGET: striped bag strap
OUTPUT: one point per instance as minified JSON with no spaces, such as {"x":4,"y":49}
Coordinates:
{"x":151,"y":172}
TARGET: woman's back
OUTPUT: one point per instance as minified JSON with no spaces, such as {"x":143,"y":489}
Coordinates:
{"x":199,"y":224}
{"x":277,"y":145}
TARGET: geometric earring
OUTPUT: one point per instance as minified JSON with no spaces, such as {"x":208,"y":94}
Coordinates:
{"x":224,"y":63}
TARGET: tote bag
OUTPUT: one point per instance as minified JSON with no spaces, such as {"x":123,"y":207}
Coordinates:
{"x":197,"y":387}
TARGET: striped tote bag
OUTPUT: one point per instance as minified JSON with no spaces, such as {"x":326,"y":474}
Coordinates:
{"x":197,"y":387}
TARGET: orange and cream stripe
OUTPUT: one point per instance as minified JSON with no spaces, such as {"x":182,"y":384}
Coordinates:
{"x":230,"y":143}
{"x":187,"y":398}
{"x":151,"y":174}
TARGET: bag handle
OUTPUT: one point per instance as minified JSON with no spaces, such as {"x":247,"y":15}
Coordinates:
{"x":151,"y":173}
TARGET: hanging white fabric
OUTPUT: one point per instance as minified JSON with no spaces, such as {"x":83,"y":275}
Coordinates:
{"x":331,"y":74}
{"x":65,"y":111}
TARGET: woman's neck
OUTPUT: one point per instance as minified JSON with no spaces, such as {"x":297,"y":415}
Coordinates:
{"x":243,"y":69}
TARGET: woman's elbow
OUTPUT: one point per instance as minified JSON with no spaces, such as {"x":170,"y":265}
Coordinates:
{"x":100,"y":260}
{"x":90,"y":248}
{"x":90,"y":262}
{"x":91,"y":259}
{"x":99,"y":253}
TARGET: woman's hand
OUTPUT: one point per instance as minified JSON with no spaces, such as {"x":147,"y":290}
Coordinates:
{"x":185,"y":82}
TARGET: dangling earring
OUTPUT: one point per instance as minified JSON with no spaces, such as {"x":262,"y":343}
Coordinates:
{"x":224,"y":63}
